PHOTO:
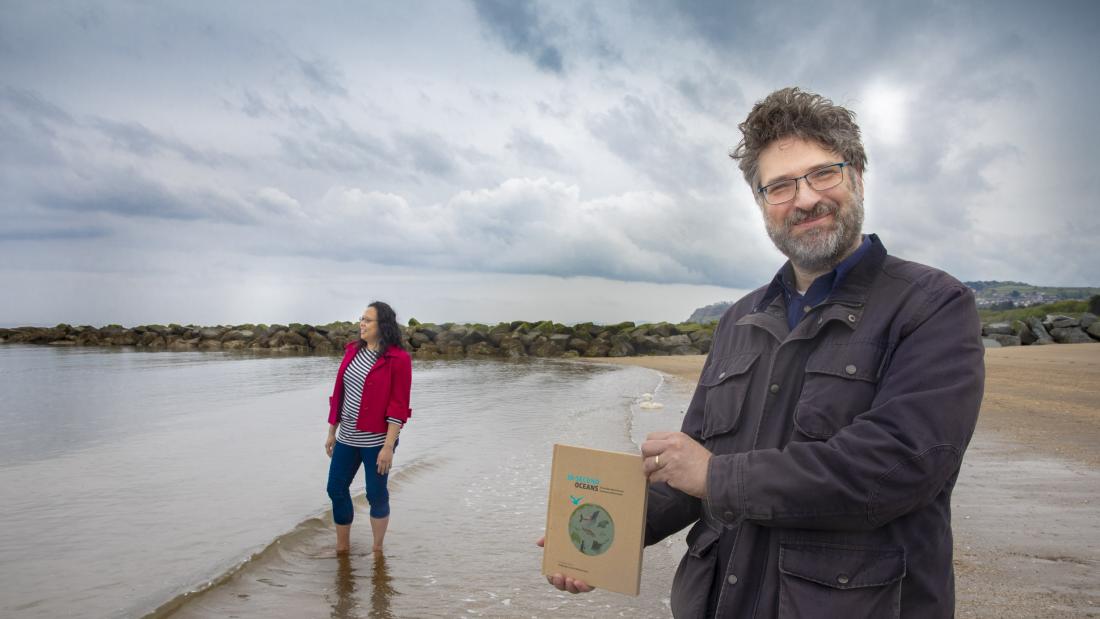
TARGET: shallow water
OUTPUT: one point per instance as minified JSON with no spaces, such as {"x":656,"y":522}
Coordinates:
{"x":192,"y":485}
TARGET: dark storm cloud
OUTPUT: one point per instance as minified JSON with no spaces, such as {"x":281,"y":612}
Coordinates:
{"x":519,"y":27}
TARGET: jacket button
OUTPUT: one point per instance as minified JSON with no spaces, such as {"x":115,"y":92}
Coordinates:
{"x":728,"y":515}
{"x":731,"y":579}
{"x":851,"y":317}
{"x":850,"y":369}
{"x":722,"y":375}
{"x":806,"y":309}
{"x":842,"y":579}
{"x":774,"y":388}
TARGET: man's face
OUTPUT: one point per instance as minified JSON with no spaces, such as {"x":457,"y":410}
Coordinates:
{"x":817,"y":228}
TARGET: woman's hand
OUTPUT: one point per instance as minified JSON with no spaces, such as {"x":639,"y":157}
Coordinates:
{"x":330,"y":442}
{"x":385,"y":459}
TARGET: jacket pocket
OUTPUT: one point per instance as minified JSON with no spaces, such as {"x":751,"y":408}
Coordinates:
{"x":840,"y":382}
{"x":696,"y":572}
{"x":820,"y":580}
{"x":727,"y":382}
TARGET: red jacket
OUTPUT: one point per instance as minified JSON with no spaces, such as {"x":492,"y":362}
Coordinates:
{"x":385,"y":391}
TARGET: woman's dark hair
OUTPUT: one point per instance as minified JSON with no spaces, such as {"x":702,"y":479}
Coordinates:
{"x":387,"y":327}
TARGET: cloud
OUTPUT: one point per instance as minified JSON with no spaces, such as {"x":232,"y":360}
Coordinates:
{"x":519,"y":27}
{"x":140,"y":141}
{"x":534,"y":226}
{"x":535,"y":151}
{"x":658,"y":145}
{"x":323,"y":76}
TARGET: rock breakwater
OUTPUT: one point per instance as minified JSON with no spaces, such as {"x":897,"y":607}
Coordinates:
{"x":1053,"y":329}
{"x":424,"y":341}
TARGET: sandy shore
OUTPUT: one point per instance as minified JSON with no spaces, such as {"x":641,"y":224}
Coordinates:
{"x":1027,"y":504}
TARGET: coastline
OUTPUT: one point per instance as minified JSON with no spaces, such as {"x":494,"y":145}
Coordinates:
{"x":1027,"y":502}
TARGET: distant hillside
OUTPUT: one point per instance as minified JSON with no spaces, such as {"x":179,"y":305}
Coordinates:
{"x":989,"y":294}
{"x":710,"y":313}
{"x":1005,"y":295}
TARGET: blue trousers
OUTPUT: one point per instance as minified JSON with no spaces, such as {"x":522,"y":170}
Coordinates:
{"x":341,"y":471}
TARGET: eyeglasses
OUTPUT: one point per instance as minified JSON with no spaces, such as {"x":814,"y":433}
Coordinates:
{"x":819,"y":180}
{"x":367,"y":320}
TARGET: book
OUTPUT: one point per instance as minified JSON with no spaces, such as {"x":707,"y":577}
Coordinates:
{"x":595,"y":518}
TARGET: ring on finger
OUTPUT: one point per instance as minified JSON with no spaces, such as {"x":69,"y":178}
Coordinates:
{"x":657,"y":460}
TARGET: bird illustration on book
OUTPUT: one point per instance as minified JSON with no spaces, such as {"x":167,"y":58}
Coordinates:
{"x":595,"y":547}
{"x":576,"y":499}
{"x":590,"y":519}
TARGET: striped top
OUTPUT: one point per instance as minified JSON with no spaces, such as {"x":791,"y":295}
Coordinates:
{"x":355,"y":375}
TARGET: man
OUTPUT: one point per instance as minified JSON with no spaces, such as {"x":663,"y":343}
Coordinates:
{"x":817,"y":457}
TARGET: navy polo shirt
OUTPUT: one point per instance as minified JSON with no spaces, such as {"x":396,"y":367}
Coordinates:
{"x":799,"y":305}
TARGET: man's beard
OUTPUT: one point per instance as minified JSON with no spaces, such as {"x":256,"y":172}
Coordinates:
{"x":820,"y":250}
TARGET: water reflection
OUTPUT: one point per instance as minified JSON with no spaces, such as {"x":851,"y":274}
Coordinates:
{"x":347,"y":604}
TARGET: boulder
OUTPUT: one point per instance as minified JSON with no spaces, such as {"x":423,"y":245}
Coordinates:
{"x":1094,"y":330}
{"x":237,"y":334}
{"x":1058,"y":321}
{"x":1070,"y":335}
{"x":577,"y":344}
{"x":212,"y":333}
{"x":546,"y":347}
{"x":673,"y":341}
{"x":452,"y":349}
{"x":482,"y":349}
{"x":419,"y":338}
{"x":1087,"y":320}
{"x":1022,"y":331}
{"x":647,"y":345}
{"x":621,"y":346}
{"x":597,"y":348}
{"x":474,"y":336}
{"x":512,"y":347}
{"x":427,"y":351}
{"x":1005,"y":340}
{"x":235,"y":345}
{"x":318,"y":342}
{"x":210,"y":344}
{"x":1040,"y":332}
{"x":990,"y":343}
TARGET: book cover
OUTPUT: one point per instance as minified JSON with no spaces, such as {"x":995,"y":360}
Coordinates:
{"x":595,"y":518}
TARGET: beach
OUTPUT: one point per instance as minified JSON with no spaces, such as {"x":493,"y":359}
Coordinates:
{"x":1026,"y":509}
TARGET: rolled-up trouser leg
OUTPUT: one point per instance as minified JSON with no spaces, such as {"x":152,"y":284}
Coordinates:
{"x":341,"y":471}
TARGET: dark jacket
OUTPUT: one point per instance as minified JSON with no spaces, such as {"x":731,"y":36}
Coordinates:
{"x":836,"y":446}
{"x":385,"y":391}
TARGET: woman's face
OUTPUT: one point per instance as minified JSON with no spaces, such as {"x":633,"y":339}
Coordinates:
{"x":368,"y":325}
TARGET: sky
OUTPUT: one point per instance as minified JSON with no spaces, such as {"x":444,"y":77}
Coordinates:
{"x":490,"y":160}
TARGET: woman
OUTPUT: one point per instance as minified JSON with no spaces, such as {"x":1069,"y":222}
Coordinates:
{"x":368,"y":407}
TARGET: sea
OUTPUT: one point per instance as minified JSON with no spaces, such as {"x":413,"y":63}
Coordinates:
{"x":192,"y":484}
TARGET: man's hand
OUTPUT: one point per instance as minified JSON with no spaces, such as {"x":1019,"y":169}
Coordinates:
{"x":564,"y":583}
{"x":675,"y":458}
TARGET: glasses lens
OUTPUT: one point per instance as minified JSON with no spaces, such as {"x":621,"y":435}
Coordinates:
{"x":780,"y":192}
{"x":825,"y":178}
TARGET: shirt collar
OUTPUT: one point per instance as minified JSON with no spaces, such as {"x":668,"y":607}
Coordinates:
{"x":783,"y":282}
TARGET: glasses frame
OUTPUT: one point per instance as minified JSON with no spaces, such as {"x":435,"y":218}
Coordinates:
{"x":763,"y":191}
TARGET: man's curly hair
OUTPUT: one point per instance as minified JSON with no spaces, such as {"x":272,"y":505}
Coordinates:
{"x":791,"y":112}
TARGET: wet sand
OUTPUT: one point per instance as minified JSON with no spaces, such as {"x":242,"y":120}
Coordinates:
{"x":1027,"y":503}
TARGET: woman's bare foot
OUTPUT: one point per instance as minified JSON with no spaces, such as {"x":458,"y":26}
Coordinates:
{"x":343,"y":539}
{"x":378,"y":528}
